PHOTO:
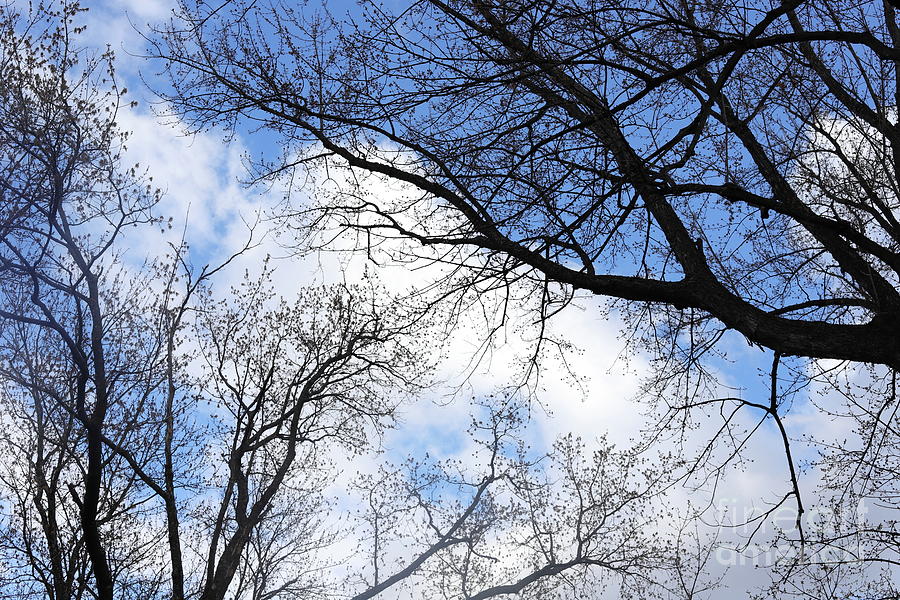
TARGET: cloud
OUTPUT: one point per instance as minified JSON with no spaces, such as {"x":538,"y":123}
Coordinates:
{"x":198,"y":175}
{"x":121,"y":25}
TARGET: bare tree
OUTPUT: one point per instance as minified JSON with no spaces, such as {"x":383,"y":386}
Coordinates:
{"x":65,"y":301}
{"x":624,"y":149}
{"x":97,"y":396}
{"x":568,"y":522}
{"x":41,"y":536}
{"x":292,"y":385}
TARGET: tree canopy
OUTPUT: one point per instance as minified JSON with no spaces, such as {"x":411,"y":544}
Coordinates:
{"x":715,"y":171}
{"x":737,"y":160}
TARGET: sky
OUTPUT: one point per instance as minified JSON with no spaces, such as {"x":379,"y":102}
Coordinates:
{"x":201,"y":179}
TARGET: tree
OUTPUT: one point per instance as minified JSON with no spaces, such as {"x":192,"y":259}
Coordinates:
{"x":96,"y":393}
{"x":555,"y":524}
{"x":659,"y":154}
{"x":42,"y":544}
{"x":712,"y":167}
{"x":66,"y":303}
